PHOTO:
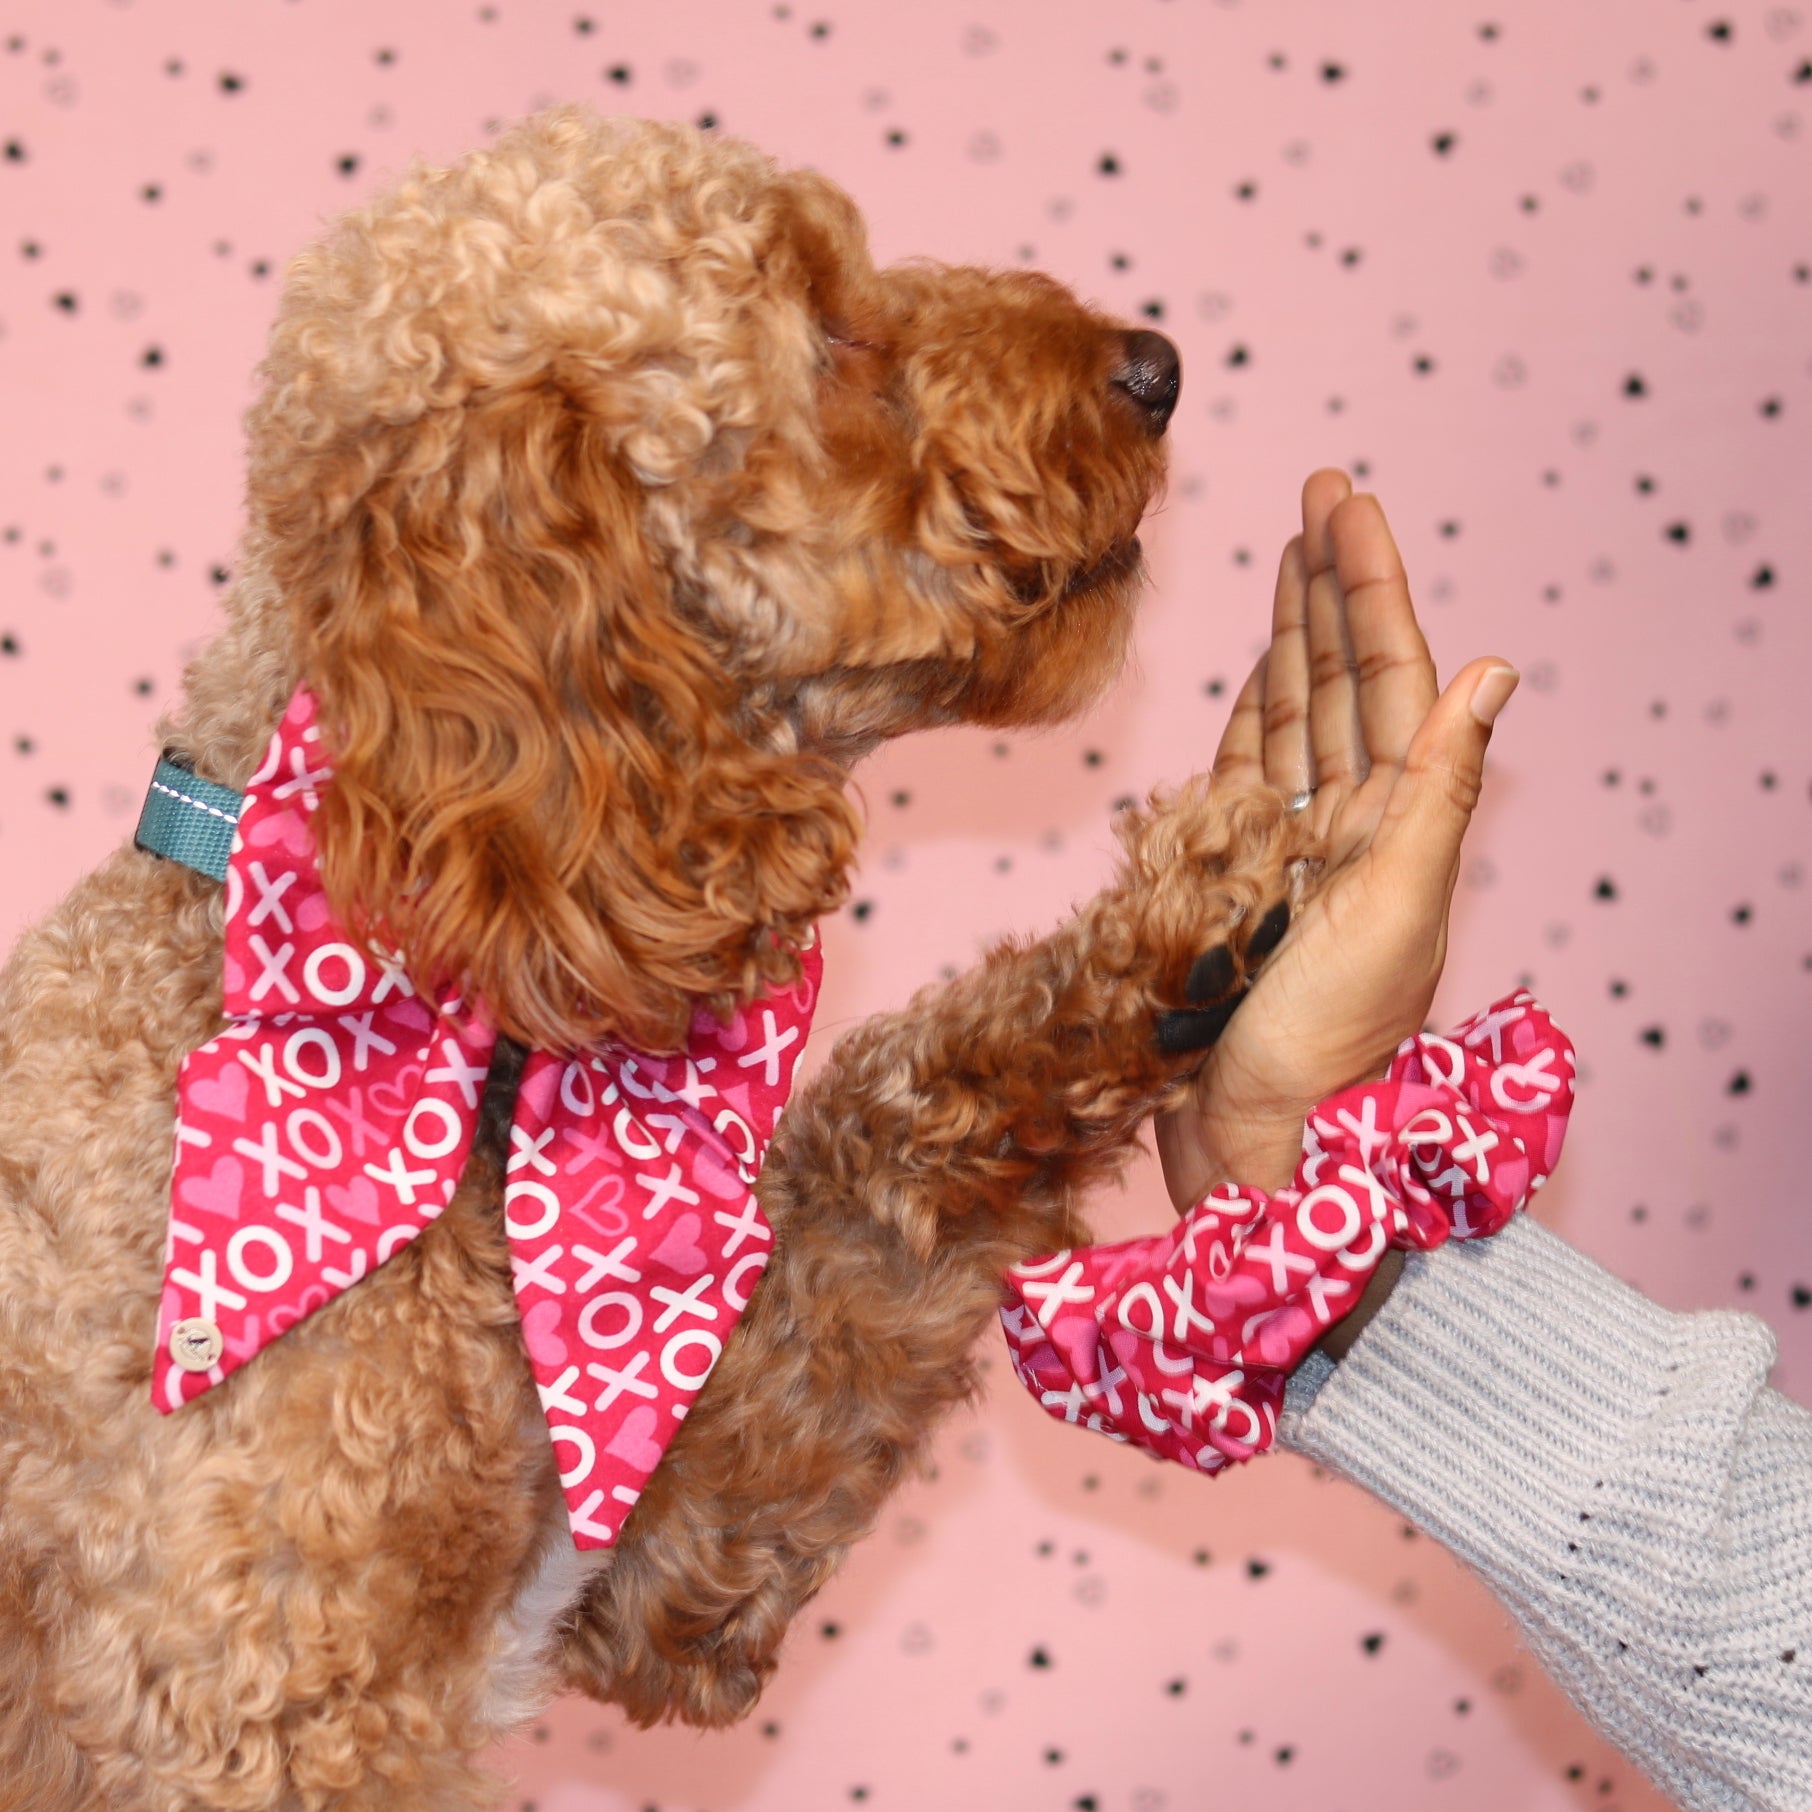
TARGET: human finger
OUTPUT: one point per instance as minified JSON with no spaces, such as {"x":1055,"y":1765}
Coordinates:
{"x":1396,"y":678}
{"x":1286,"y":686}
{"x":1434,"y":797}
{"x":1336,"y":750}
{"x":1241,"y":755}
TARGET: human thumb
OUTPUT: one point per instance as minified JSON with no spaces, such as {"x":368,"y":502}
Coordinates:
{"x":1443,"y":772}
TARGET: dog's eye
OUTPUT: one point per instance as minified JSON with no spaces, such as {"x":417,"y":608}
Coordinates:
{"x":1030,"y":585}
{"x":840,"y":333}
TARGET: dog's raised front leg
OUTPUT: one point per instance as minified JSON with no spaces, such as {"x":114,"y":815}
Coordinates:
{"x":937,"y":1146}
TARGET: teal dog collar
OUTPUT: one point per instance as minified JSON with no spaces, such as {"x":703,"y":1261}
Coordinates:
{"x":188,"y":819}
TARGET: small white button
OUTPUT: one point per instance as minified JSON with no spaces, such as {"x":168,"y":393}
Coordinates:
{"x":196,"y":1345}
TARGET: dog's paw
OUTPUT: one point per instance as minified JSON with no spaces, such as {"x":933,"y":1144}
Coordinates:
{"x":1214,"y":877}
{"x":1218,"y":981}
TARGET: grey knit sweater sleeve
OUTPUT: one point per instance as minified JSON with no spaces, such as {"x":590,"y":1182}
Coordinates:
{"x":1620,"y":1476}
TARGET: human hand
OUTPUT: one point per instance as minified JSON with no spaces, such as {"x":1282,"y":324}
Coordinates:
{"x":1344,"y":702}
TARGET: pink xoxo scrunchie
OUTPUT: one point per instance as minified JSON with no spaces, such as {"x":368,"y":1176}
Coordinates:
{"x":1181,"y":1342}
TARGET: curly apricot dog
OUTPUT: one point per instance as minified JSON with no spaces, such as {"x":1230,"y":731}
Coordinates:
{"x":611,"y":504}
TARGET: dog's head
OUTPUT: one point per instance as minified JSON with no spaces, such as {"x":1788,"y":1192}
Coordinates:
{"x":619,"y":503}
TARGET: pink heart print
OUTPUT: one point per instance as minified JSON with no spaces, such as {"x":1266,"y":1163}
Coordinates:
{"x":285,"y":831}
{"x":219,"y":1192}
{"x":718,"y":1178}
{"x":1181,"y":1343}
{"x":540,"y":1324}
{"x":679,"y":1250}
{"x":331,"y":1122}
{"x":357,"y":1197}
{"x":634,"y":1440}
{"x":224,"y":1092}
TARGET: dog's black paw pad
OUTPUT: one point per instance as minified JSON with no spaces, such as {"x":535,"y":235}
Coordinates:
{"x":1213,"y":974}
{"x":1270,"y":932}
{"x":1197,"y":1028}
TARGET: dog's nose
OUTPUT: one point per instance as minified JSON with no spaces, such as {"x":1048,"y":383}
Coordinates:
{"x":1151,"y":374}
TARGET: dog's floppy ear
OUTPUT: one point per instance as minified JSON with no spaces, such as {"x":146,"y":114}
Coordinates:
{"x":542,"y":788}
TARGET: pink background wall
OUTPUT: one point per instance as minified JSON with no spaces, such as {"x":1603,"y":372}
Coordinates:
{"x":1541,"y":276}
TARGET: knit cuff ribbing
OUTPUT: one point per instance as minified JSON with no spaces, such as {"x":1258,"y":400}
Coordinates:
{"x":1620,"y":1477}
{"x":1486,"y":1397}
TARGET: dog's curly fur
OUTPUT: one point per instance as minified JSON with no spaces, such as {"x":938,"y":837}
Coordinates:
{"x":612,"y":504}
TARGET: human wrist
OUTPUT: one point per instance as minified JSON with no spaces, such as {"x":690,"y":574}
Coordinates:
{"x":1262,"y":1148}
{"x":1254,"y":1143}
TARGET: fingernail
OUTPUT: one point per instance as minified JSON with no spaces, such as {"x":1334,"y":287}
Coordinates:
{"x":1492,"y":693}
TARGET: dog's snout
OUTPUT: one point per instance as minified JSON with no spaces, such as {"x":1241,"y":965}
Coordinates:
{"x":1151,"y":373}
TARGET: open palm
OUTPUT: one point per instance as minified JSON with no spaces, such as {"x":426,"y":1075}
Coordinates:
{"x":1344,"y":707}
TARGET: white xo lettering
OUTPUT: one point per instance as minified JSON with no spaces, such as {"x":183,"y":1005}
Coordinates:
{"x":631,"y":1309}
{"x":640,"y":1147}
{"x":670,"y":1366}
{"x":315,"y":980}
{"x":275,"y":1246}
{"x":1526,"y":1088}
{"x":1332,"y":1195}
{"x":424,"y":1144}
{"x":539,"y":1193}
{"x":327,"y":1054}
{"x":581,"y":1444}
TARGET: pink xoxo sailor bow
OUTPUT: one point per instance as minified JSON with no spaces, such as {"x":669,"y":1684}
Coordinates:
{"x":329,"y":1123}
{"x":1180,"y":1343}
